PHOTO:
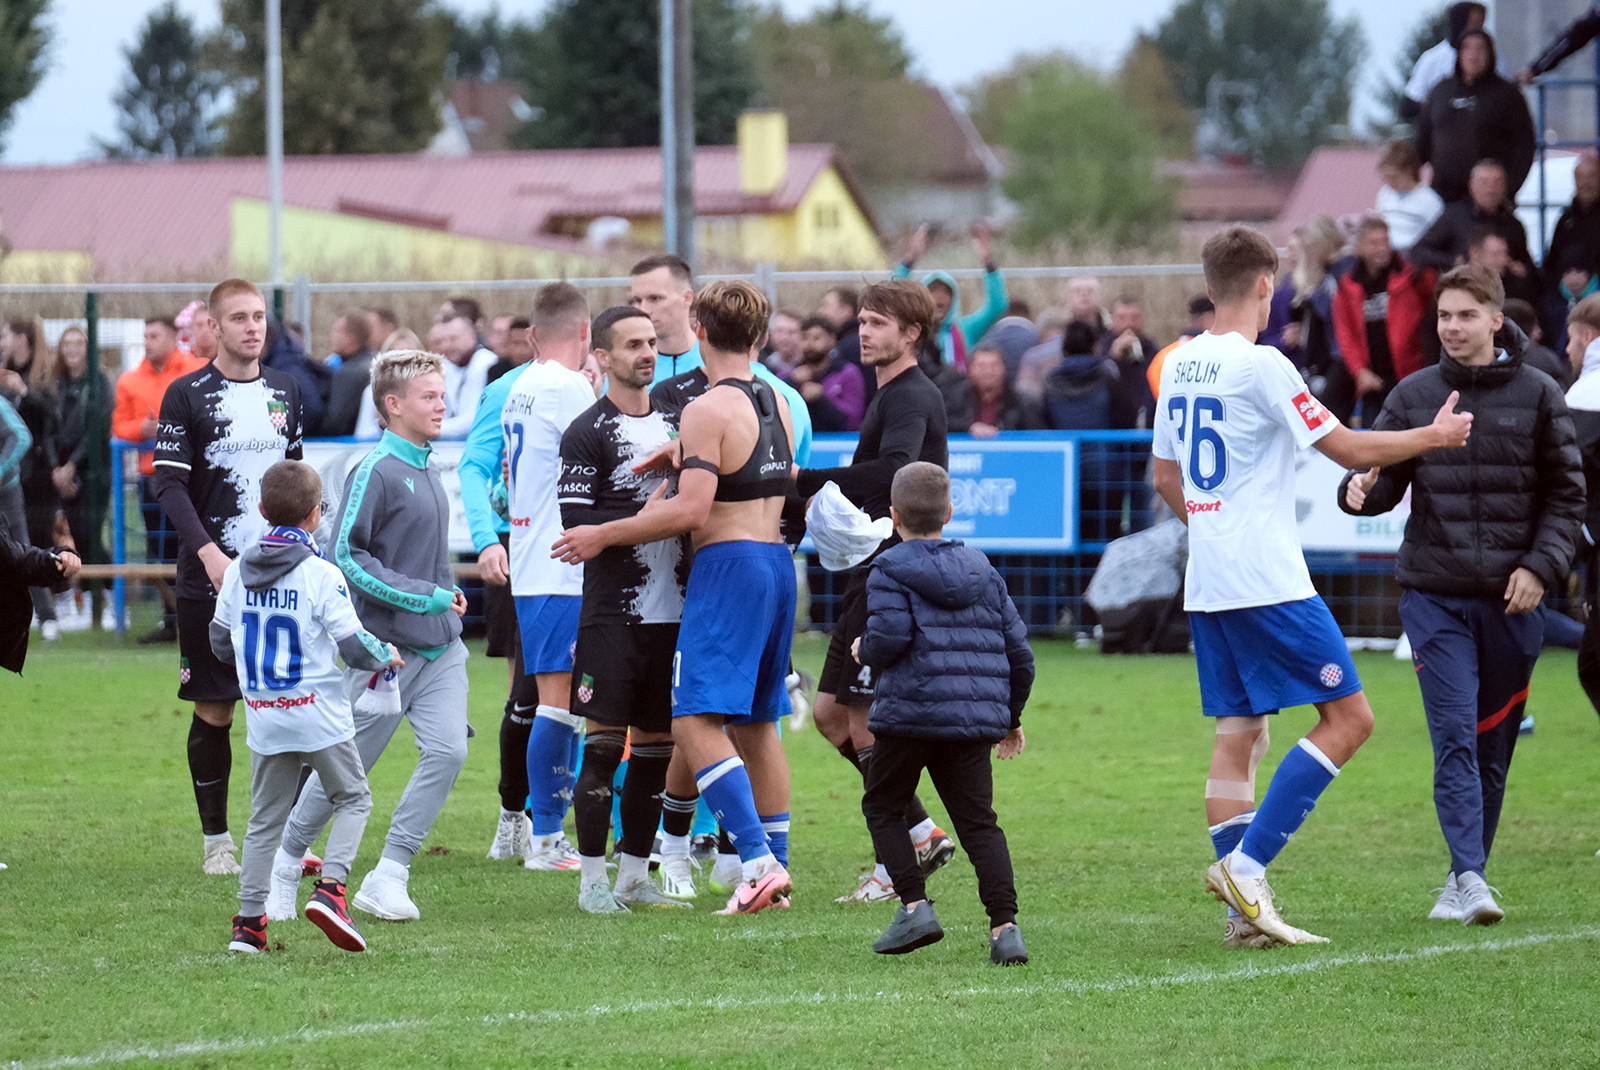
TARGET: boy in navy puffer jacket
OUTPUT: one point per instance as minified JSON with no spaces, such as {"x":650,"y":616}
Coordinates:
{"x":956,"y":670}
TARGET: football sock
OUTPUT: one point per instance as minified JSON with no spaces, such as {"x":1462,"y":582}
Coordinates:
{"x":631,"y":869}
{"x":917,"y":817}
{"x":515,"y":725}
{"x":591,"y":803}
{"x":592,"y":869}
{"x":1300,"y":778}
{"x":922,"y":829}
{"x":550,"y":780}
{"x":677,"y":818}
{"x":210,"y":760}
{"x":847,"y":750}
{"x":724,"y":843}
{"x":776,"y":827}
{"x":1225,"y":836}
{"x":881,"y":872}
{"x":726,"y":786}
{"x":642,"y":789}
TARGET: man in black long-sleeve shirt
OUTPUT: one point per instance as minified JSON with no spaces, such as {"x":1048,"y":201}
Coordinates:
{"x":905,"y":422}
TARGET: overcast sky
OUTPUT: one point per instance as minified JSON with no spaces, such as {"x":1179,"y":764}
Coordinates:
{"x":954,"y":41}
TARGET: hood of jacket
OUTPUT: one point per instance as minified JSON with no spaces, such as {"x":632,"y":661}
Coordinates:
{"x":955,"y":296}
{"x":1078,"y":373}
{"x":1489,"y":76}
{"x":946,"y":572}
{"x":264,"y":564}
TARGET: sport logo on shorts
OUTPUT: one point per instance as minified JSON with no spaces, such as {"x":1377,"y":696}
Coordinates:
{"x":183,"y":670}
{"x":1310,"y":409}
{"x":1332,"y":675}
{"x":586,"y":689}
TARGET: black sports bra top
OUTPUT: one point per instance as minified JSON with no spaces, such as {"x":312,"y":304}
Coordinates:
{"x":766,"y":473}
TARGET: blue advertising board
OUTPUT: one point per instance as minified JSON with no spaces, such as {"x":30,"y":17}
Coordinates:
{"x":1013,"y":494}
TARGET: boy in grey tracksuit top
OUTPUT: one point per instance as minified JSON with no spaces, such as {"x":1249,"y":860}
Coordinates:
{"x":392,"y":545}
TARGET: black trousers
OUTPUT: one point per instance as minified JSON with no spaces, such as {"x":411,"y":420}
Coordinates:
{"x":1589,"y":650}
{"x":965,"y":782}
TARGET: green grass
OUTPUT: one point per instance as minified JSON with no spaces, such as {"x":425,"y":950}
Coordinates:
{"x":111,"y":940}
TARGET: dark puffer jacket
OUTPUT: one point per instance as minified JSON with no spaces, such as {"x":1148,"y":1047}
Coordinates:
{"x":1512,"y":498}
{"x":953,"y":650}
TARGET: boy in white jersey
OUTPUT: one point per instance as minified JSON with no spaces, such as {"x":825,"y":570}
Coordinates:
{"x":283,"y":617}
{"x":548,"y":396}
{"x":1231,"y":417}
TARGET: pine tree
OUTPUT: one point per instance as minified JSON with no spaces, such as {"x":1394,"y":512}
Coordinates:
{"x":24,"y":38}
{"x":593,"y":73}
{"x":358,"y":75}
{"x":165,"y":98}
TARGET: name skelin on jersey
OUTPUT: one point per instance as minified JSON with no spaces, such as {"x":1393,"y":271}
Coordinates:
{"x":1193,"y":371}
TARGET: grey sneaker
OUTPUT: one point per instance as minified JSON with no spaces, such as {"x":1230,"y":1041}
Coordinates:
{"x":909,"y":931}
{"x":1448,"y":908}
{"x":642,"y":893}
{"x":596,"y":898}
{"x":1477,"y":900}
{"x":1007,"y":949}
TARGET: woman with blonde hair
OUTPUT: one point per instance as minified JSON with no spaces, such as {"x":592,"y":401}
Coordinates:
{"x":85,"y":489}
{"x":1301,"y":324}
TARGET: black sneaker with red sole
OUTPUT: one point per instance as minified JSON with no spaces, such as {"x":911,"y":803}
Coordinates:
{"x":249,"y":934}
{"x":327,"y":911}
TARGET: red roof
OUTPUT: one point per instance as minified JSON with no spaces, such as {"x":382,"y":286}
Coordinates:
{"x":1227,"y":192}
{"x":1335,"y":181}
{"x":136,"y":218}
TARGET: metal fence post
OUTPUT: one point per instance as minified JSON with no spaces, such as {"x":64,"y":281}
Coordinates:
{"x":302,"y":306}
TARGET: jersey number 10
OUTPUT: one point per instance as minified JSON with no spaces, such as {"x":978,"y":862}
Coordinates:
{"x":265,"y":643}
{"x":1208,"y":456}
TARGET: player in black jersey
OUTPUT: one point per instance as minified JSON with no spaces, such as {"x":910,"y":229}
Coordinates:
{"x":219,"y":430}
{"x":628,"y":626}
{"x":904,"y":422}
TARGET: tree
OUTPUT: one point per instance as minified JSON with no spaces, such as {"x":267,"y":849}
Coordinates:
{"x":358,"y":75}
{"x":24,"y":38}
{"x":841,"y":76}
{"x":1082,"y":161}
{"x":487,"y":47}
{"x":1146,"y":84}
{"x":165,"y":98}
{"x":1282,"y":71}
{"x":593,"y":74}
{"x":1429,"y":31}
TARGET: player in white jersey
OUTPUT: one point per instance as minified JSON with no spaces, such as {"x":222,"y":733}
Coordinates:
{"x":1231,"y":418}
{"x":548,"y":396}
{"x":283,"y":617}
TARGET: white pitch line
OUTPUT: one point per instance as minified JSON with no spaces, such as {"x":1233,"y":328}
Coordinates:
{"x":1248,"y":972}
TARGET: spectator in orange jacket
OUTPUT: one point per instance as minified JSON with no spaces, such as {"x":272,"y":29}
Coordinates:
{"x":1378,"y":312}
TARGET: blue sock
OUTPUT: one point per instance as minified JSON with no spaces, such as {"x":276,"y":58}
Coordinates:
{"x":776,"y":827}
{"x":1301,"y":777}
{"x":726,"y":788}
{"x":705,"y":822}
{"x":551,"y":769}
{"x":1226,"y":836}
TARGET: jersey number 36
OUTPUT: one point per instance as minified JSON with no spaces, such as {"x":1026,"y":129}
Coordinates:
{"x":1208,"y":455}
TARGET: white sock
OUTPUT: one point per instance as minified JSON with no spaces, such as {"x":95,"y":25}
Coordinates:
{"x":674,"y":846}
{"x":286,"y":861}
{"x":390,"y":870}
{"x":547,"y":842}
{"x":504,"y":813}
{"x":753,"y":869}
{"x":727,"y":862}
{"x":631,"y":870}
{"x":221,"y":837}
{"x":881,"y":873}
{"x":922,"y":830}
{"x":593,"y":870}
{"x":1244,"y":867}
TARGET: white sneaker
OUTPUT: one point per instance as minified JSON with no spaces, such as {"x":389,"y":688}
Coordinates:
{"x":677,"y":877}
{"x":596,"y":898}
{"x":1239,"y":933}
{"x":870,"y":890}
{"x":386,"y":898}
{"x":641,"y":893}
{"x":50,"y":630}
{"x":219,"y":860}
{"x":1252,"y":897}
{"x":727,"y":873}
{"x":1448,"y":907}
{"x":283,"y":893}
{"x":1477,"y":901}
{"x":108,"y":618}
{"x":551,"y":853}
{"x":72,"y":618}
{"x":512,"y":836}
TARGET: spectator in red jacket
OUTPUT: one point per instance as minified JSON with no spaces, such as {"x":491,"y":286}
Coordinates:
{"x":1378,"y":312}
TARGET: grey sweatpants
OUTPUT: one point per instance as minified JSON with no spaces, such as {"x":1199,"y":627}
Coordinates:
{"x":273,"y":778}
{"x":433,"y":694}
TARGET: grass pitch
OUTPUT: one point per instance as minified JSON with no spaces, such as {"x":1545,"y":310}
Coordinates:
{"x":111,"y":940}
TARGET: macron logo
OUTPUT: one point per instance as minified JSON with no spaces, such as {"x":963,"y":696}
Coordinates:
{"x":1202,"y":507}
{"x":1310,"y":410}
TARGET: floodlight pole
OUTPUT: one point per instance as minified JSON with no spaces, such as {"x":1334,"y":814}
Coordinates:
{"x":275,"y":145}
{"x":677,"y":127}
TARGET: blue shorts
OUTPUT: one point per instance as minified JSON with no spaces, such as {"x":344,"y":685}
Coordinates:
{"x":738,"y":628}
{"x":549,"y":626}
{"x":1262,"y":659}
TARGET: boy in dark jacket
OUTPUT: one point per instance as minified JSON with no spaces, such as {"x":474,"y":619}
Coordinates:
{"x":956,"y":670}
